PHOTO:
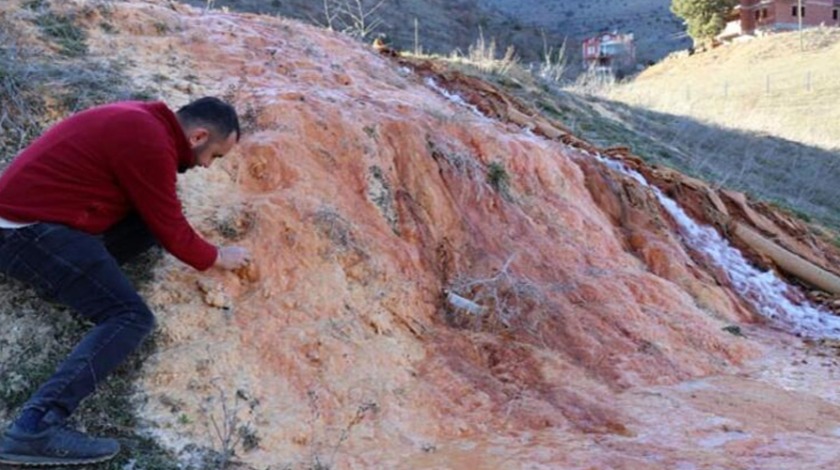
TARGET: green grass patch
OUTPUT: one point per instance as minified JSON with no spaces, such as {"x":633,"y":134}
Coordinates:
{"x":498,"y":177}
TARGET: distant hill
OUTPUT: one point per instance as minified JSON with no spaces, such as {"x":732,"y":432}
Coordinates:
{"x":446,"y":26}
{"x":658,"y":32}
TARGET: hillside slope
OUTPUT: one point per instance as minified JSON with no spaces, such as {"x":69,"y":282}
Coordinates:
{"x":761,"y":120}
{"x":658,"y":32}
{"x":447,"y":278}
{"x":444,"y":27}
{"x":781,"y":85}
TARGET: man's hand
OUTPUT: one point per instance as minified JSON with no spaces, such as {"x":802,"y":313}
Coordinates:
{"x":232,"y":257}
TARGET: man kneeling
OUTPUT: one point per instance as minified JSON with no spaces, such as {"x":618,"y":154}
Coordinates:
{"x":93,"y":192}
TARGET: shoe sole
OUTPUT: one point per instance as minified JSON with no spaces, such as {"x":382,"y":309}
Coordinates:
{"x":35,"y":461}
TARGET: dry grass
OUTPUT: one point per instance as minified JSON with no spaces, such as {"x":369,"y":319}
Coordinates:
{"x":482,"y":55}
{"x":37,"y":87}
{"x":767,"y":85}
{"x":22,"y":107}
{"x":555,"y":62}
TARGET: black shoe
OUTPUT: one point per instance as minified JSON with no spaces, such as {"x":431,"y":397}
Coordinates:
{"x":56,"y":445}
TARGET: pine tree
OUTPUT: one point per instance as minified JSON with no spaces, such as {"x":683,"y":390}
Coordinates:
{"x":704,"y":18}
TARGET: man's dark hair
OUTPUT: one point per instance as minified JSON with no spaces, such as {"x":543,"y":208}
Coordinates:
{"x":210,"y":112}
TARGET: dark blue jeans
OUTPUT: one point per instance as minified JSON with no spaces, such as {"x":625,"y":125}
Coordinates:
{"x":82,"y":271}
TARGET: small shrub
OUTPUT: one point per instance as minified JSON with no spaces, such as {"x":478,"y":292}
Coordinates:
{"x":371,"y":132}
{"x":554,"y":63}
{"x":161,"y":27}
{"x":594,"y":82}
{"x":380,"y":193}
{"x":502,"y":301}
{"x":482,"y":55}
{"x":250,"y":439}
{"x":498,"y":177}
{"x":229,"y":430}
{"x":734,"y":330}
{"x":33,"y":4}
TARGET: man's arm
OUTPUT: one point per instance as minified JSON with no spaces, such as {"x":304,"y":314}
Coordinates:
{"x":149,"y":180}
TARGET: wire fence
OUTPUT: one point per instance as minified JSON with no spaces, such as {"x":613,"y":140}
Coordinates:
{"x":797,"y":85}
{"x":799,"y":106}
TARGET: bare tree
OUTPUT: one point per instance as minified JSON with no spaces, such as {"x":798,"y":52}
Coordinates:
{"x":330,"y":13}
{"x":358,"y":18}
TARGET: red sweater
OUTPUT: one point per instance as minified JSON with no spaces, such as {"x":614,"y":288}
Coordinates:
{"x":90,"y":170}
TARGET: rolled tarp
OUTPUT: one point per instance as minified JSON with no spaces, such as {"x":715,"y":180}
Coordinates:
{"x":788,"y":261}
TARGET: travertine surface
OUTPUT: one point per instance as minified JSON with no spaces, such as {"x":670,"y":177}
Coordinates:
{"x":364,"y":194}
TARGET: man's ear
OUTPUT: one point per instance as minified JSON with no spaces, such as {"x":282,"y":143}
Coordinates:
{"x":197,"y":136}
